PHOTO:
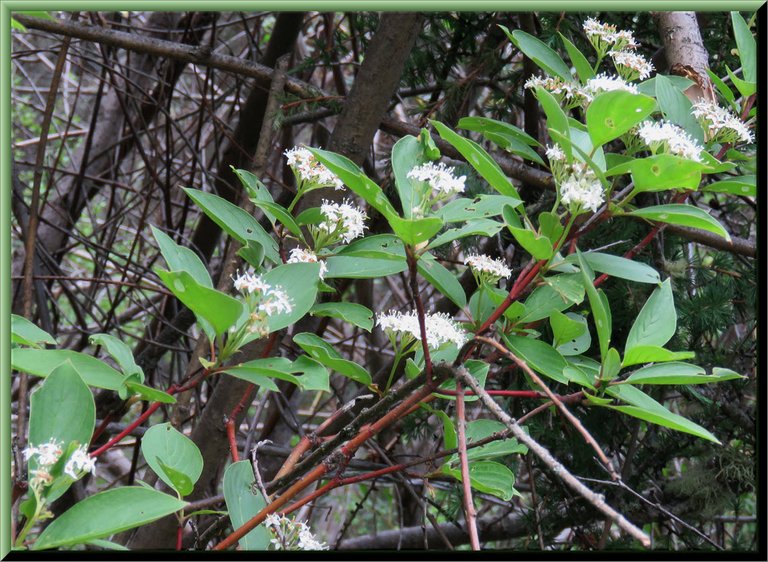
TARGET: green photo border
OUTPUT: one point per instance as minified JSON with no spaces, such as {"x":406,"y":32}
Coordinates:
{"x":8,"y":6}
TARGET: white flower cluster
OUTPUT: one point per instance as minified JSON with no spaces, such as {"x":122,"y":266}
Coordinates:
{"x":491,"y":268}
{"x":343,"y":220}
{"x":670,"y":138}
{"x":581,"y":189}
{"x":604,"y":83}
{"x":48,"y":454}
{"x":720,"y":123}
{"x":605,"y":35}
{"x":439,"y":177}
{"x":571,"y":92}
{"x":632,"y":65}
{"x":263,"y":301}
{"x":299,"y":255}
{"x":310,"y":171}
{"x":288,"y":534}
{"x":79,"y":463}
{"x":440,"y":328}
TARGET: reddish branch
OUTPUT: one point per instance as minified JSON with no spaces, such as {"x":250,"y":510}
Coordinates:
{"x":466,"y":484}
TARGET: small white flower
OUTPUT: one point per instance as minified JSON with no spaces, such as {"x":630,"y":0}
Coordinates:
{"x":720,"y":123}
{"x":571,"y":92}
{"x":603,"y":35}
{"x":486,"y":264}
{"x":439,"y":177}
{"x":275,"y":301}
{"x":299,"y":255}
{"x":47,"y":454}
{"x":440,"y":328}
{"x":80,"y":462}
{"x":249,"y":283}
{"x":604,"y":83}
{"x":638,"y":66}
{"x":272,"y":520}
{"x":307,"y":541}
{"x":309,"y":170}
{"x":344,"y":219}
{"x":555,"y":153}
{"x":671,"y":138}
{"x":582,"y":189}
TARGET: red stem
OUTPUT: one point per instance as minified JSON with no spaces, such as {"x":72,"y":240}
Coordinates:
{"x":507,"y":393}
{"x":179,"y":536}
{"x":232,"y":420}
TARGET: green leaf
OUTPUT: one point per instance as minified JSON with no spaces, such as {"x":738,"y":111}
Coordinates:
{"x":243,"y":503}
{"x":676,"y":107}
{"x":98,"y":516}
{"x":25,"y":332}
{"x":611,"y":114}
{"x":746,"y":45}
{"x":577,"y":344}
{"x":299,"y":281}
{"x":648,"y":87}
{"x":724,"y":90}
{"x":646,"y":408}
{"x":540,"y":53}
{"x":653,"y":354}
{"x":568,"y":285}
{"x":601,"y":314}
{"x":744,"y":87}
{"x":357,"y":181}
{"x":657,"y":321}
{"x":543,"y":301}
{"x":374,"y":246}
{"x":41,"y":362}
{"x":149,"y":393}
{"x":480,"y":207}
{"x":611,"y":365}
{"x":489,"y":477}
{"x":550,"y":226}
{"x":235,"y":221}
{"x":415,"y":231}
{"x":253,"y":254}
{"x":667,"y":419}
{"x":479,"y":159}
{"x":217,"y":309}
{"x":679,"y":373}
{"x":120,"y":352}
{"x":580,"y":62}
{"x":180,"y":258}
{"x":406,"y":155}
{"x":664,"y":171}
{"x":566,"y":328}
{"x":253,"y":185}
{"x":556,"y":118}
{"x":315,"y":376}
{"x":684,"y":215}
{"x":355,"y":267}
{"x":506,"y":136}
{"x":281,"y":214}
{"x":319,"y":350}
{"x":261,"y":372}
{"x":482,"y":227}
{"x":540,"y":356}
{"x":540,"y":247}
{"x":742,"y":185}
{"x":623,"y":268}
{"x":355,"y":314}
{"x":442,"y":279}
{"x":61,"y":408}
{"x":164,"y":447}
{"x":480,"y":429}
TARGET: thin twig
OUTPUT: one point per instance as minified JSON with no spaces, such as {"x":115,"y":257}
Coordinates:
{"x":556,"y":400}
{"x":546,"y":457}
